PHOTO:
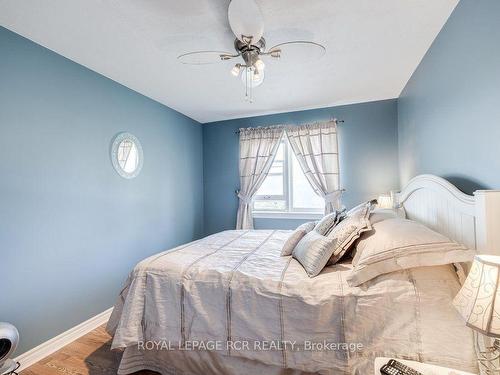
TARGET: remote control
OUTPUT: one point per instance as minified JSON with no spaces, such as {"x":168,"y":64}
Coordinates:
{"x":394,"y":367}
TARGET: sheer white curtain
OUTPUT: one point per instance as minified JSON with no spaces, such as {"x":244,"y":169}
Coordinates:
{"x":258,"y":148}
{"x":316,"y":149}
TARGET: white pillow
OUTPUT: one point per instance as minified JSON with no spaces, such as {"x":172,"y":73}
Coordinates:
{"x":349,"y":230}
{"x":380,"y":214}
{"x":397,"y":244}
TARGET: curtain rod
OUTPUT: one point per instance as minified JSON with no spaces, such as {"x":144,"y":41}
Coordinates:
{"x":334,"y":120}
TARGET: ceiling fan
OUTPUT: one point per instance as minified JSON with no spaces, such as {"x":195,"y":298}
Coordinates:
{"x":247,"y":24}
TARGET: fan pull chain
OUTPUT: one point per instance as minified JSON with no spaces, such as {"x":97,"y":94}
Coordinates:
{"x":251,"y":86}
{"x":246,"y":84}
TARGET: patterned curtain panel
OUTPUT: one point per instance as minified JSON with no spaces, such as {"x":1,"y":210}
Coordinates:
{"x":258,"y":148}
{"x":316,"y":149}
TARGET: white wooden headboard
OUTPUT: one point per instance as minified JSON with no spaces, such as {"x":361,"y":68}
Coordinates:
{"x":473,"y":220}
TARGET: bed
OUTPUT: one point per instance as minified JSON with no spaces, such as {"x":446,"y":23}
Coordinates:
{"x":230,"y":304}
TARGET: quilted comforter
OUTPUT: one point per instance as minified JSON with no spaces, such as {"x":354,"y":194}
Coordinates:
{"x":232,"y":295}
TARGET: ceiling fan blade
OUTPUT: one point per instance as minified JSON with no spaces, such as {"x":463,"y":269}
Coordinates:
{"x":205,"y":57}
{"x":299,"y":50}
{"x":246,"y":21}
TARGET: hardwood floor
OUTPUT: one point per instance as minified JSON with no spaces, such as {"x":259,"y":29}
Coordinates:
{"x":89,"y":355}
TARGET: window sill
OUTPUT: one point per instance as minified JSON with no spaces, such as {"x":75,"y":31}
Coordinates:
{"x":287,"y":215}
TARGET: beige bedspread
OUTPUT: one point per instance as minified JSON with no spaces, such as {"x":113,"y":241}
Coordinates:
{"x":212,"y":296}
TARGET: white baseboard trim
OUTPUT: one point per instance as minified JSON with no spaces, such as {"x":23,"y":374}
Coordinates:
{"x":51,"y":346}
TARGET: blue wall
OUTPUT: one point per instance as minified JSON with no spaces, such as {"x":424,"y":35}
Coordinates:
{"x":449,"y":112}
{"x":70,"y":227}
{"x":368,"y":157}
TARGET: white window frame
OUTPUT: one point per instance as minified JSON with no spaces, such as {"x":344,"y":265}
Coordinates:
{"x":289,"y":212}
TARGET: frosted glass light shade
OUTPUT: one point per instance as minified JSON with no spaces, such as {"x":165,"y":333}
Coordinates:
{"x":259,"y":64}
{"x":236,"y":70}
{"x":255,"y":79}
{"x":479,"y":299}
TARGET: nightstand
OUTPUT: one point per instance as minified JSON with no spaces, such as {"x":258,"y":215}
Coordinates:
{"x":424,"y":368}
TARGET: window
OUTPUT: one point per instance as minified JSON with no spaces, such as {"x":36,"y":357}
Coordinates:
{"x":286,"y":189}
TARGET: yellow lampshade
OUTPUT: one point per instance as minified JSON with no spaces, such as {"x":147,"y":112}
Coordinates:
{"x":479,"y":299}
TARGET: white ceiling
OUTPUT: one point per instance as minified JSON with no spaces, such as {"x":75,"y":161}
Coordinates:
{"x":373,"y":47}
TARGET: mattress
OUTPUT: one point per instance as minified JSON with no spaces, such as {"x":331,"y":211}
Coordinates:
{"x":229,"y":303}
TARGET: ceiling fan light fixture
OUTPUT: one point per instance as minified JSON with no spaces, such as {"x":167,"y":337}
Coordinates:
{"x":252,"y":77}
{"x":258,"y":78}
{"x":236,"y":70}
{"x":259,"y":65}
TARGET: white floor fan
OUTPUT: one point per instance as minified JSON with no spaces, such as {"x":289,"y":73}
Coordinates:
{"x":9,"y":338}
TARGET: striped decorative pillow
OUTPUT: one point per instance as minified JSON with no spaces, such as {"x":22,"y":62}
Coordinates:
{"x":296,"y":236}
{"x":326,"y":224}
{"x":314,"y":250}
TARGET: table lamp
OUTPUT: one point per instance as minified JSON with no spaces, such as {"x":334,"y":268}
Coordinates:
{"x":387,"y":201}
{"x":384,"y":201}
{"x":479,"y":304}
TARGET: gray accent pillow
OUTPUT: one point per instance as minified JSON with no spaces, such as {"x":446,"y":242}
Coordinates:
{"x":296,"y":236}
{"x":314,"y":250}
{"x":326,"y":224}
